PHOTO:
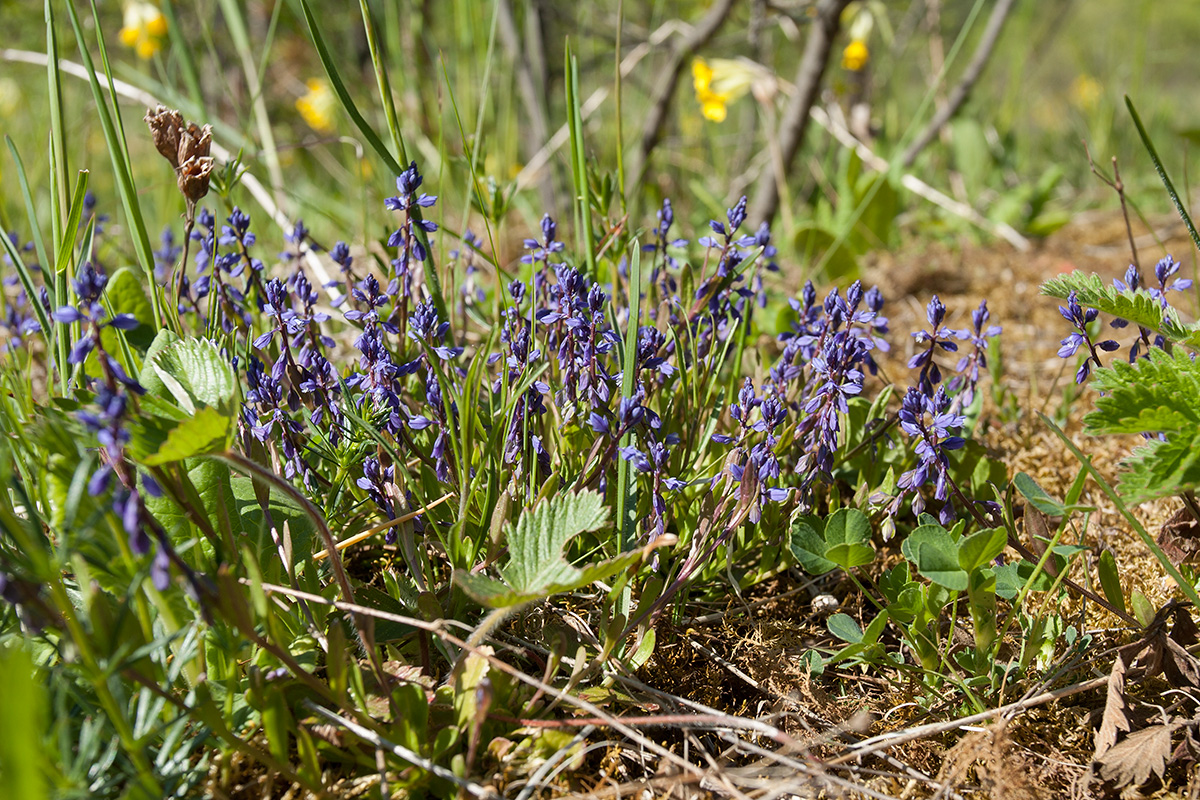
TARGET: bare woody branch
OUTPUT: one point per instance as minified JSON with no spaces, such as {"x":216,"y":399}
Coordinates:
{"x":794,"y":123}
{"x":660,"y":105}
{"x":958,"y":95}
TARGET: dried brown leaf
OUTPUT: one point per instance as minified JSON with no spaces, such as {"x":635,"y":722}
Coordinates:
{"x":1139,"y":755}
{"x":1184,"y":629}
{"x":1116,"y":715}
{"x":1040,"y":529}
{"x":1180,"y":666}
{"x":1179,"y":537}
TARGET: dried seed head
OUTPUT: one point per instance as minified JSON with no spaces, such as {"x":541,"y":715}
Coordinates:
{"x":193,"y":177}
{"x":186,"y":147}
{"x":166,"y":126}
{"x":195,"y":142}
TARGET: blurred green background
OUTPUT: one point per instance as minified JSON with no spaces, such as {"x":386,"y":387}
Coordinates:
{"x":484,"y":80}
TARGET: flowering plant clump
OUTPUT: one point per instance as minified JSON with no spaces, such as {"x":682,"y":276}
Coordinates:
{"x":277,"y":423}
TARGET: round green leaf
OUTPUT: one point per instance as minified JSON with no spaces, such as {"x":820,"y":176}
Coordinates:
{"x":808,"y":547}
{"x":980,"y":549}
{"x":934,"y":553}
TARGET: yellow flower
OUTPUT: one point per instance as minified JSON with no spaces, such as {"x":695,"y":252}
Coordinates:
{"x":712,"y":104}
{"x":855,"y":56}
{"x":10,"y":97}
{"x":145,"y":28}
{"x":1086,"y":92}
{"x":727,"y":79}
{"x":319,"y":106}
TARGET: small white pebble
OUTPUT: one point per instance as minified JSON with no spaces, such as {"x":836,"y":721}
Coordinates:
{"x":824,"y":604}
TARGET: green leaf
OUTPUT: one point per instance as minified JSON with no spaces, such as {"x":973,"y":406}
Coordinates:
{"x":934,"y":553}
{"x":808,"y":547}
{"x":1159,"y":469}
{"x":1139,"y":307}
{"x":847,"y":532}
{"x":981,"y":548}
{"x":1145,"y":397}
{"x":206,"y":432}
{"x":149,"y":378}
{"x":126,"y":295}
{"x":536,"y":567}
{"x":1142,"y":608}
{"x":1011,"y":579}
{"x":194,"y":372}
{"x":1110,"y":581}
{"x":1037,"y":496}
{"x":23,"y":717}
{"x":848,"y":556}
{"x":845,"y":628}
{"x":212,"y":483}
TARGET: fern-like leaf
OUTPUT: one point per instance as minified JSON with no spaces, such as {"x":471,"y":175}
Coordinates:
{"x":1140,"y":307}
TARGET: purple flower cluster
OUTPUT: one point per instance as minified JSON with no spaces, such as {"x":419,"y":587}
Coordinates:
{"x":1081,"y":318}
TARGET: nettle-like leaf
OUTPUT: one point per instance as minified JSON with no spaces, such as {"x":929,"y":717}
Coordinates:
{"x":205,"y":433}
{"x":194,"y":373}
{"x":841,"y":540}
{"x":536,"y":567}
{"x":1160,"y":393}
{"x":1160,"y":469}
{"x":1139,"y":307}
{"x":188,"y":408}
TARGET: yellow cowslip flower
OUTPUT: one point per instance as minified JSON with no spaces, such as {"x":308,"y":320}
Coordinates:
{"x":725,"y":80}
{"x":145,"y":28}
{"x":855,"y":56}
{"x":1086,"y":92}
{"x":319,"y":106}
{"x":712,"y":105}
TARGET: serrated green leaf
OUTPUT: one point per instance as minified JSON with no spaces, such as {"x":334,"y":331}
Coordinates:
{"x":536,"y":567}
{"x":981,"y":548}
{"x":1139,"y":308}
{"x":149,"y":378}
{"x":1160,"y":393}
{"x":206,"y":432}
{"x":933,"y":551}
{"x":1159,"y":469}
{"x":195,"y":373}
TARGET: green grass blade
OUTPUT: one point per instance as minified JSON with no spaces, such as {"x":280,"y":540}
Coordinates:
{"x":381,"y":78}
{"x":1143,"y":534}
{"x":360,"y":122}
{"x":119,"y":154}
{"x":339,"y":88}
{"x":181,"y":50}
{"x":1162,"y":172}
{"x":579,"y":163}
{"x":58,"y":132}
{"x":626,"y":487}
{"x":62,"y":264}
{"x":262,"y":121}
{"x":35,"y":229}
{"x":27,"y":283}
